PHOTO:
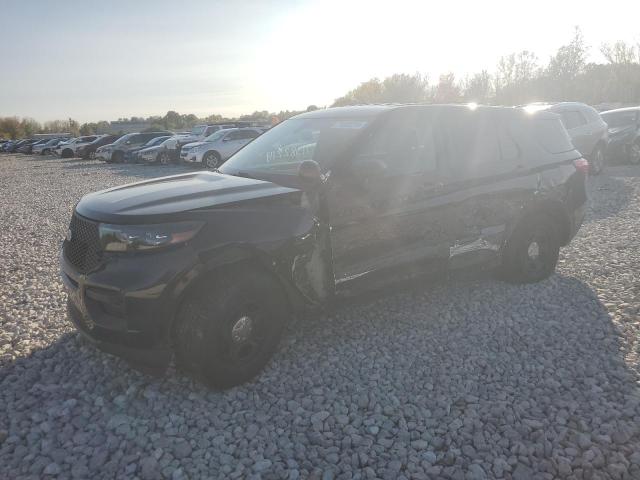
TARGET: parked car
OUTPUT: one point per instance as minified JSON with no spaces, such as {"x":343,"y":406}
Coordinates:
{"x":27,"y":147}
{"x":132,"y":155}
{"x":214,"y":150}
{"x":46,"y":147}
{"x":210,"y":265}
{"x":624,"y":133}
{"x":160,"y":152}
{"x":88,"y":151}
{"x":115,"y":152}
{"x":586,"y":128}
{"x":13,"y":148}
{"x":68,"y":149}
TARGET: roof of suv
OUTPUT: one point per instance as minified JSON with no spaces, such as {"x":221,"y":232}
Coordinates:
{"x":625,"y":109}
{"x":374,"y":110}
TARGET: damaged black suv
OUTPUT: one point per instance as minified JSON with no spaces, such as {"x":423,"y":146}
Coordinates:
{"x":210,"y":265}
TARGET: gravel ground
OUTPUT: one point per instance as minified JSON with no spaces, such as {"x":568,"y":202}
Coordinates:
{"x":468,"y":379}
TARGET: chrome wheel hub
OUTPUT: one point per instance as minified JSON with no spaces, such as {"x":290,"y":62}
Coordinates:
{"x":533,"y":251}
{"x":241,"y":330}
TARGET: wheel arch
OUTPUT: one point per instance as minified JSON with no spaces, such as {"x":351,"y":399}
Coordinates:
{"x":555,"y":210}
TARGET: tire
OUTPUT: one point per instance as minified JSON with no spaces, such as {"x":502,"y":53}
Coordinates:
{"x":634,"y":153}
{"x":531,"y":253}
{"x":117,"y":157}
{"x":211,"y":160}
{"x":45,"y":151}
{"x":596,"y":162}
{"x":92,"y":155}
{"x":67,"y":153}
{"x":227,"y":330}
{"x":163,"y":158}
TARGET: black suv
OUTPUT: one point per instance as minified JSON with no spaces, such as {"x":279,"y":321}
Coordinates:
{"x":209,"y":265}
{"x":624,"y":133}
{"x":89,"y":150}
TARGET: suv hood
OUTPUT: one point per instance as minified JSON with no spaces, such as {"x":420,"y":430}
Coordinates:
{"x":193,"y":144}
{"x":160,"y":199}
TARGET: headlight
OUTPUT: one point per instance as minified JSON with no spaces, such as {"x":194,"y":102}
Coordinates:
{"x":125,"y":238}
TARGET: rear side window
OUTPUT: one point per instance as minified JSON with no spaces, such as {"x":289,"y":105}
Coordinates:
{"x":572,"y":119}
{"x":552,"y":135}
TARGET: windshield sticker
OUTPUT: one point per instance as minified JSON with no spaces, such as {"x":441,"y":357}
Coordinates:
{"x":351,"y":124}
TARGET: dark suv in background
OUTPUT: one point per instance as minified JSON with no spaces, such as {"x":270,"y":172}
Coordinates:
{"x":116,"y":152}
{"x":624,"y":134}
{"x":210,"y":265}
{"x":89,"y":150}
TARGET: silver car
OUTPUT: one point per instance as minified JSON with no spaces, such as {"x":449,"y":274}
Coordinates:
{"x":214,"y":150}
{"x":586,"y":128}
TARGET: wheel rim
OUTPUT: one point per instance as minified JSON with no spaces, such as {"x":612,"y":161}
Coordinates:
{"x":536,"y":255}
{"x":635,"y":153}
{"x":244,"y":336}
{"x":163,"y":158}
{"x":211,"y":161}
{"x":598,"y":161}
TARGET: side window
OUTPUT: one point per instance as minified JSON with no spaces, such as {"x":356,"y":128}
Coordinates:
{"x":251,"y":134}
{"x":137,"y":139}
{"x":404,"y":143}
{"x":472,"y":144}
{"x":572,"y":119}
{"x":509,"y":150}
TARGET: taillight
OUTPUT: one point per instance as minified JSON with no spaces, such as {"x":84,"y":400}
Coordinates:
{"x":582,"y":165}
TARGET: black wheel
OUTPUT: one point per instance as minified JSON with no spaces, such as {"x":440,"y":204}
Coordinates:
{"x":163,"y":158}
{"x":531,"y":253}
{"x":634,"y":153}
{"x":596,"y":162}
{"x":211,"y":160}
{"x":228,"y":329}
{"x":45,"y":151}
{"x":117,"y":157}
{"x":92,"y":155}
{"x":67,"y":153}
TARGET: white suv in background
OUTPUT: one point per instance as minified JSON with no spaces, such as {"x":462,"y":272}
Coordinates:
{"x":68,"y":149}
{"x":214,"y":150}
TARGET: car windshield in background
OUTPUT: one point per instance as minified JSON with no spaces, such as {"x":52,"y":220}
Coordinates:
{"x":619,"y":119}
{"x":214,"y":137}
{"x":284,"y":147}
{"x":198,"y":130}
{"x":155,"y":141}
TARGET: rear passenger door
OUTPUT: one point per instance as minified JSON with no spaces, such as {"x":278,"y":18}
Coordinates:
{"x":485,"y":184}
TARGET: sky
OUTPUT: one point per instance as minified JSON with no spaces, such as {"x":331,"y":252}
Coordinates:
{"x":102,"y":60}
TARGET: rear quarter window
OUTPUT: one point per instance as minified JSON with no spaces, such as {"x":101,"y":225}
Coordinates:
{"x":551,"y":134}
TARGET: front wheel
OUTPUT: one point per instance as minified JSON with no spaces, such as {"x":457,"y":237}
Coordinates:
{"x":163,"y":158}
{"x":634,"y":153}
{"x":67,"y":153}
{"x":117,"y":157}
{"x":211,"y":160}
{"x":531,"y":253}
{"x":228,"y":329}
{"x":596,"y":163}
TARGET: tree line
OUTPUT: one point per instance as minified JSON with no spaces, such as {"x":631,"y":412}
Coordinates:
{"x":519,"y":78}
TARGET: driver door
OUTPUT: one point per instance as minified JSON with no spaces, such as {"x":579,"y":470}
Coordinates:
{"x":383,"y":205}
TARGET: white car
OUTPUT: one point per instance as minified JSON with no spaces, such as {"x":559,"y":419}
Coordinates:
{"x":68,"y":149}
{"x":47,"y":147}
{"x":214,"y":150}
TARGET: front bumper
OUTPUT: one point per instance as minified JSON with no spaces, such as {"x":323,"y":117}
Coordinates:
{"x":105,"y":156}
{"x":126,"y":306}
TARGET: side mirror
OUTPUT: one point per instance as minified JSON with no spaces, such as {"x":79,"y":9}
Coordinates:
{"x":310,"y":174}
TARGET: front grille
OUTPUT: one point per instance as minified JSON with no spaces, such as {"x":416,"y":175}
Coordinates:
{"x":83,"y":249}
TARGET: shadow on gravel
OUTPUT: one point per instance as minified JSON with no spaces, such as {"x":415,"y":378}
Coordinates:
{"x":478,"y":367}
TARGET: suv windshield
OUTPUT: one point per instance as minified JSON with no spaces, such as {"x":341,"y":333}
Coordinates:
{"x":619,"y":119}
{"x":198,"y":130}
{"x":214,"y":137}
{"x":284,"y":147}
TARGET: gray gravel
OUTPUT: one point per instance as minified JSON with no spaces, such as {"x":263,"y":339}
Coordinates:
{"x":469,"y":379}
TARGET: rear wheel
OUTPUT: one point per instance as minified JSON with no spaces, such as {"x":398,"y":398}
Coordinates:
{"x":531,"y":253}
{"x":67,"y":153}
{"x":228,"y":329}
{"x":211,"y":160}
{"x":634,"y":153}
{"x":596,"y":163}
